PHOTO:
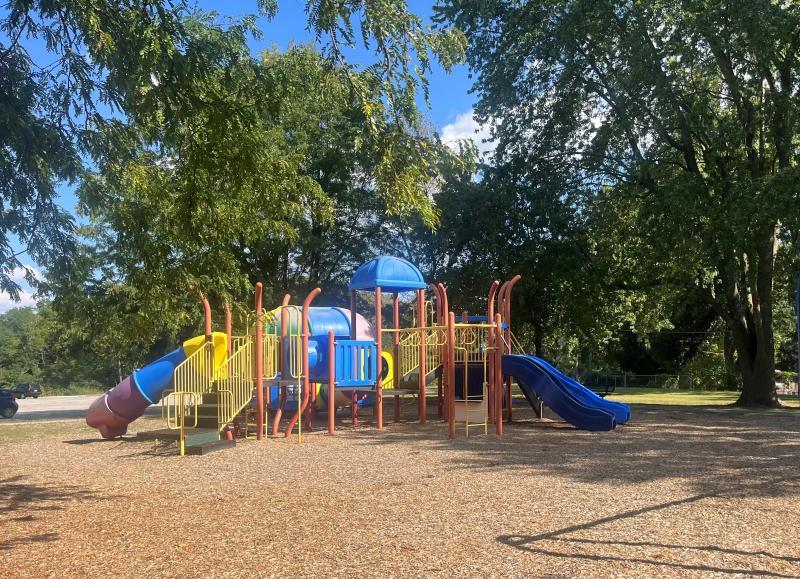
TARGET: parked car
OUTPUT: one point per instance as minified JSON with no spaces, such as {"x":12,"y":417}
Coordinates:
{"x":8,"y":404}
{"x":23,"y":391}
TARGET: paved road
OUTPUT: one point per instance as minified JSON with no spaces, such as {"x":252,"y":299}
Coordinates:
{"x":56,"y":408}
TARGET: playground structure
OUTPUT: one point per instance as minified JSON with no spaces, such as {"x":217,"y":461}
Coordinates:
{"x":297,"y":361}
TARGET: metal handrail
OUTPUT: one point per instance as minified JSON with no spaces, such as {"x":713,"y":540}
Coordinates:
{"x":196,"y":373}
{"x":236,"y":379}
{"x":409,"y":345}
{"x":270,"y":355}
{"x":180,"y":414}
{"x":295,"y":361}
{"x":472,"y":341}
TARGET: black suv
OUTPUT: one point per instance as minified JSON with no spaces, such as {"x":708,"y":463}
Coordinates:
{"x":8,"y":404}
{"x":23,"y":391}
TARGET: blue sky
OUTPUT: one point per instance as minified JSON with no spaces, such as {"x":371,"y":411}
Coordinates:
{"x":450,"y":102}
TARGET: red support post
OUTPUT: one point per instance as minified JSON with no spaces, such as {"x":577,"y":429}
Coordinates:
{"x":206,"y":313}
{"x":501,"y":309}
{"x":499,"y":374}
{"x":304,"y":354}
{"x":282,"y":363}
{"x":451,"y":375}
{"x":507,"y":314}
{"x":396,"y":354}
{"x":490,"y":365}
{"x":442,"y":351}
{"x":447,"y":383}
{"x":331,"y":382}
{"x":422,"y":406}
{"x":259,"y":381}
{"x":228,"y":330}
{"x":445,"y":304}
{"x":492,"y":293}
{"x":379,"y":343}
{"x":500,"y":304}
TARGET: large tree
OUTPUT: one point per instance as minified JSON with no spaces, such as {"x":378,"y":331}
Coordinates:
{"x":680,"y":116}
{"x":102,"y":59}
{"x":258,"y":175}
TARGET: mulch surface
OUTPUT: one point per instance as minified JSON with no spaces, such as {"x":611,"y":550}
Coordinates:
{"x":680,"y":493}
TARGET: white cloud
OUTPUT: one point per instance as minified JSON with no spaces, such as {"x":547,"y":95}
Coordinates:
{"x":466,"y":127}
{"x":26,"y":299}
{"x":18,"y":273}
{"x":26,"y":294}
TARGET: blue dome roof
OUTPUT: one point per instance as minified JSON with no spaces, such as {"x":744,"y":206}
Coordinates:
{"x":392,"y":274}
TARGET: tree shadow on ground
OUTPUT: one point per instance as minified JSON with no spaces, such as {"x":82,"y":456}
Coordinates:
{"x":712,"y":452}
{"x":546,"y":543}
{"x":704,"y":449}
{"x":21,"y":501}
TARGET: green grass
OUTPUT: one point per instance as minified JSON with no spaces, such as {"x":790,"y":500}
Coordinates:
{"x":11,"y":432}
{"x":683,"y":397}
{"x":73,"y":390}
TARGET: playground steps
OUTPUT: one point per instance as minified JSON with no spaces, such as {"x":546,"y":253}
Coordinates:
{"x":208,"y":411}
{"x":208,"y":447}
{"x":193,"y":435}
{"x":198,"y":440}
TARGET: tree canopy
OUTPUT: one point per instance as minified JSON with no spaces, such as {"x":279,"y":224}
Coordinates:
{"x":675,"y":122}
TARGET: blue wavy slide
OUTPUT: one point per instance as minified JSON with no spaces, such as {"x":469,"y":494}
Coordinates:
{"x":570,"y":400}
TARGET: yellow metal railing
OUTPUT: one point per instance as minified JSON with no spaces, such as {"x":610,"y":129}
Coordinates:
{"x":235,"y":385}
{"x":238,"y":342}
{"x":409,"y":350}
{"x":293,"y":363}
{"x":193,"y":378}
{"x":270,"y":355}
{"x":178,"y":407}
{"x":472,"y":342}
{"x":195,"y":375}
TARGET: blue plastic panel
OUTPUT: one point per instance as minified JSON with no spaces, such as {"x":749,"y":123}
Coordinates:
{"x":356,"y":363}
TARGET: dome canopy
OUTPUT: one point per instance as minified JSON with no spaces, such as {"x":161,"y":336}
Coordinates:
{"x":391,"y":274}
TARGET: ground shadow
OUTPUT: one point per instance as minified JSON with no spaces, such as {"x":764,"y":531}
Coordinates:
{"x":705,"y":449}
{"x":538,"y":544}
{"x":23,"y":501}
{"x":83,"y":441}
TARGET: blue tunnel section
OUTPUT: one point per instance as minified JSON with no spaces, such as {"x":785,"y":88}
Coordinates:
{"x":321,"y":321}
{"x":153,"y":379}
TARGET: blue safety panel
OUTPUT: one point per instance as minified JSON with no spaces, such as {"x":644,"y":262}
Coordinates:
{"x":356,"y":363}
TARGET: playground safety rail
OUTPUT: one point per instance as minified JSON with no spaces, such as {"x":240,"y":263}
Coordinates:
{"x":235,"y":387}
{"x":409,"y":347}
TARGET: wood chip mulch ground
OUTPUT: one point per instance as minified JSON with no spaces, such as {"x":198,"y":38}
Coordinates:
{"x":678,"y":493}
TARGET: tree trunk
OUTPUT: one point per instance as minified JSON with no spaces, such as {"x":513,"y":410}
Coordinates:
{"x":758,"y":375}
{"x":750,"y":302}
